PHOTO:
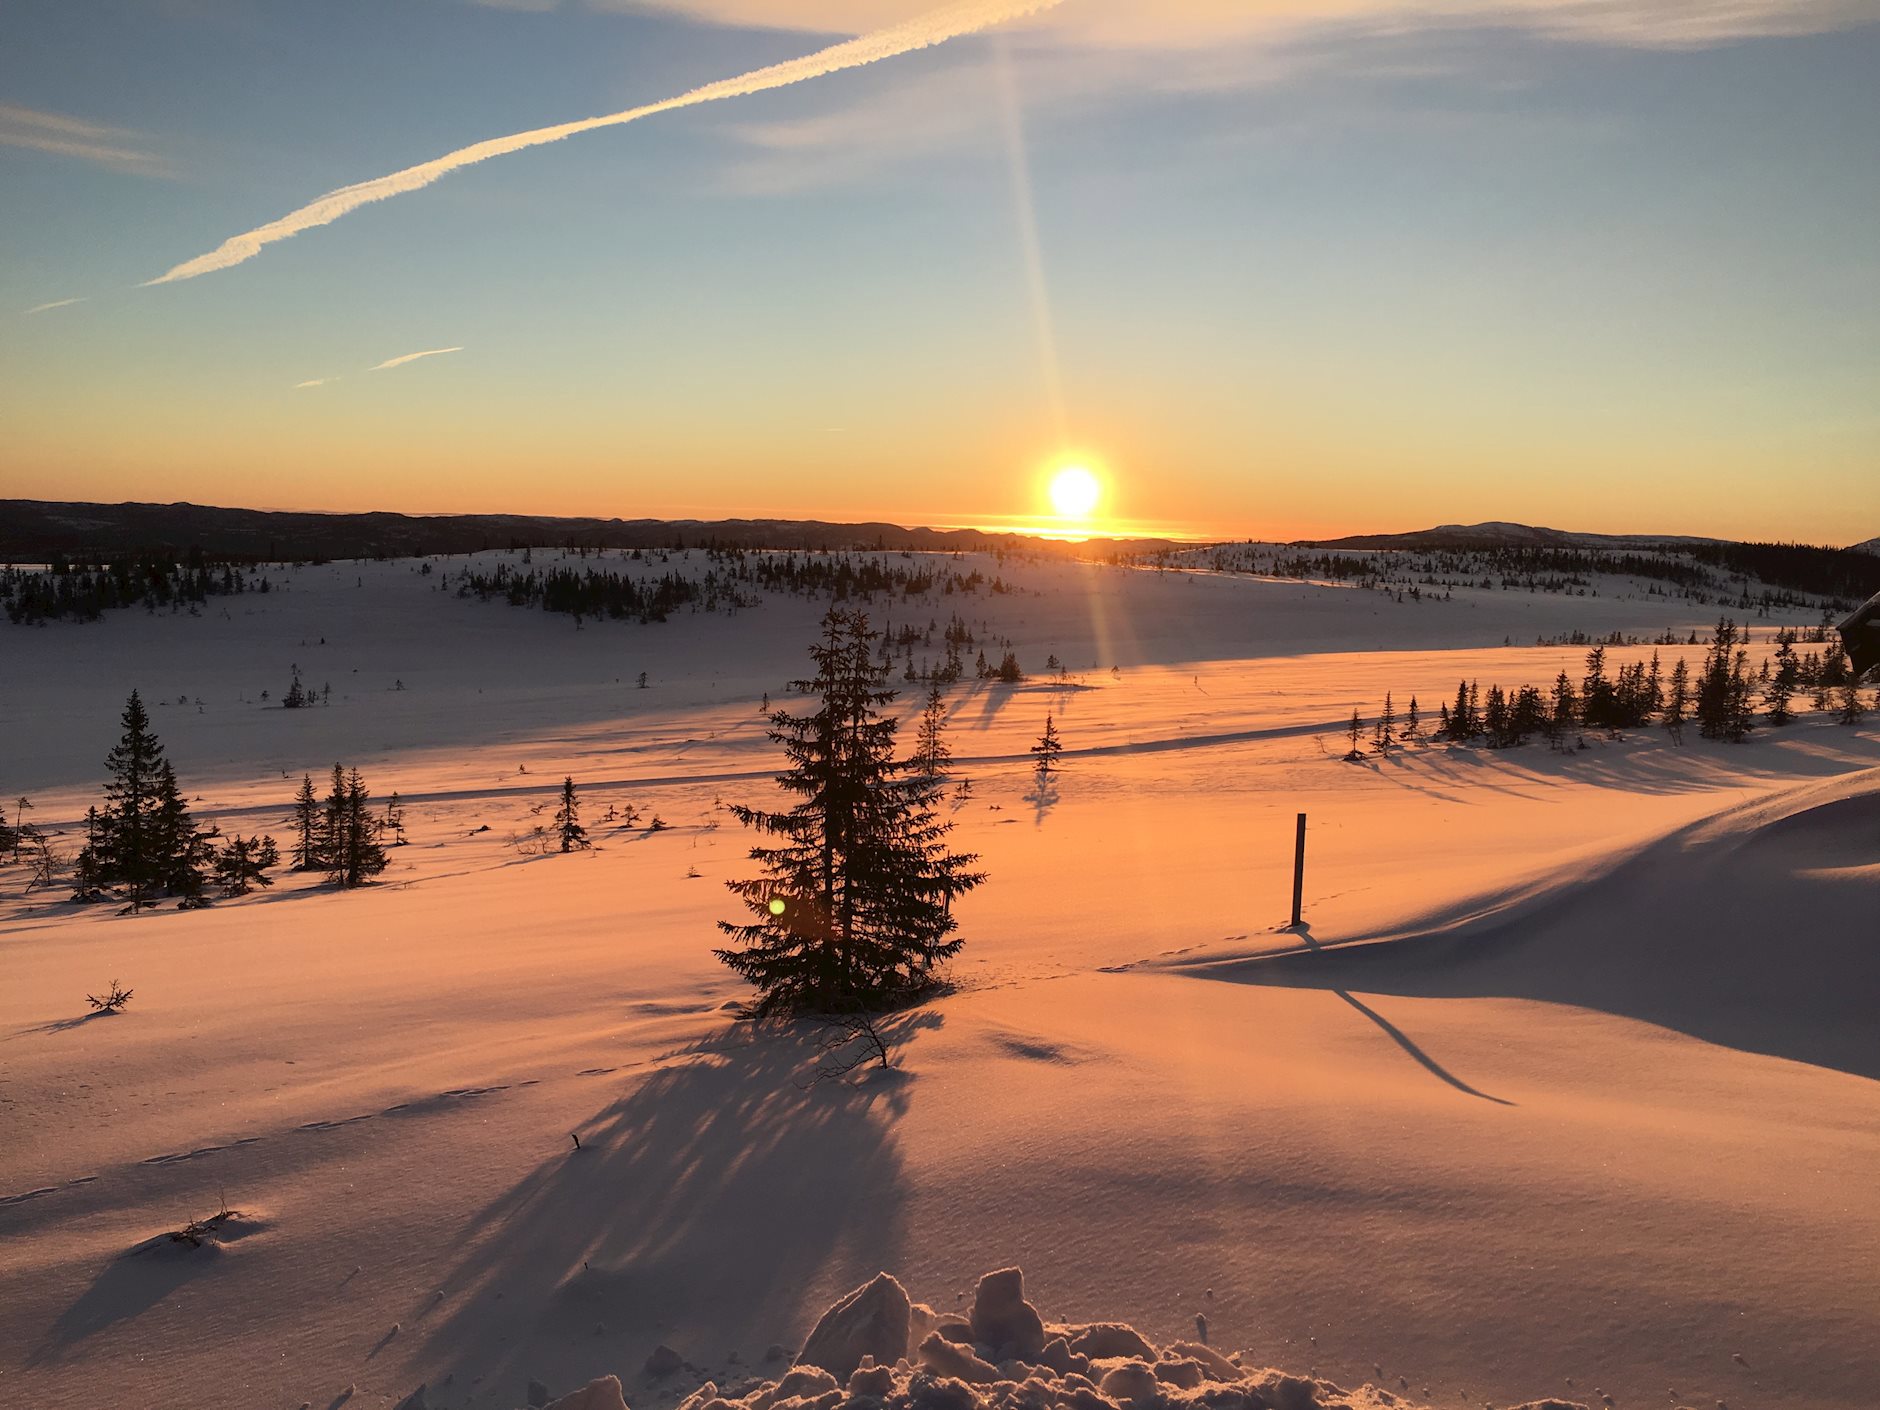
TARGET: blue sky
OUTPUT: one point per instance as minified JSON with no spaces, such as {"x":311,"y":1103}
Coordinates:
{"x":1311,"y":269}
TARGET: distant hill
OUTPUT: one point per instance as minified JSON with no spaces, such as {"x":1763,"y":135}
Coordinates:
{"x":36,"y":530}
{"x":1871,"y":546}
{"x":1466,"y":538}
{"x":1838,"y":574}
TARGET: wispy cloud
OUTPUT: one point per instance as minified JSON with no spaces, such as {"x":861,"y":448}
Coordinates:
{"x":950,"y":22}
{"x":62,"y":136}
{"x":412,"y":357}
{"x":1169,"y":24}
{"x":48,"y":307}
{"x":389,"y":362}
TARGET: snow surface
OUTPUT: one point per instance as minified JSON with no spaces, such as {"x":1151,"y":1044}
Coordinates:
{"x":1566,"y":1076}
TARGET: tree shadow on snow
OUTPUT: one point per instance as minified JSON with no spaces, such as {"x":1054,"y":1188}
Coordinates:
{"x":717,"y":1193}
{"x":1043,"y":797}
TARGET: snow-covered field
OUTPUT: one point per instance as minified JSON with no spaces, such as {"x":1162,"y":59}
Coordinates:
{"x":1570,"y":1086}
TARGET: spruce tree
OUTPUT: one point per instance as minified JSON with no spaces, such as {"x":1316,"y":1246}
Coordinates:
{"x":1714,"y":685}
{"x":308,"y":831}
{"x":1852,"y":710}
{"x":1678,"y":701}
{"x":184,"y":855}
{"x":87,"y":871}
{"x":394,"y":820}
{"x":1384,"y":736}
{"x":1780,"y":689}
{"x":243,"y":862}
{"x":1566,"y":707}
{"x":126,"y":851}
{"x":1047,"y":749}
{"x":1356,"y":731}
{"x":1598,"y":700}
{"x":1412,"y":720}
{"x":853,"y":909}
{"x":351,"y":850}
{"x":568,"y":818}
{"x":931,"y":754}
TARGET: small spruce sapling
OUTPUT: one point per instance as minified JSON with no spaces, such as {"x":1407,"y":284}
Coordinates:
{"x":1047,"y":749}
{"x":112,"y":1000}
{"x":568,"y":827}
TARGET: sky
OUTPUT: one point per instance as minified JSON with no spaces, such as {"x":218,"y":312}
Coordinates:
{"x":1273,"y":268}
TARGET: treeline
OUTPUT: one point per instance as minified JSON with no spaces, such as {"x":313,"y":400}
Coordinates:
{"x":1847,"y":575}
{"x":1767,"y":576}
{"x":602,"y":592}
{"x":1726,"y":700}
{"x":732,"y":581}
{"x":84,"y":592}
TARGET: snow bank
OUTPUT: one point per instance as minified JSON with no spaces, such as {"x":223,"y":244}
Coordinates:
{"x":876,"y":1349}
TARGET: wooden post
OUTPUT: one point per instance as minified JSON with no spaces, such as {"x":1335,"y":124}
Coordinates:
{"x":1299,"y":868}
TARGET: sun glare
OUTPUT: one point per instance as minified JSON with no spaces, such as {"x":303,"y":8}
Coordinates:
{"x":1075,"y":492}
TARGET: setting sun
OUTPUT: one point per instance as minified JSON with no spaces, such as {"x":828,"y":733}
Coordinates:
{"x":1074,"y":492}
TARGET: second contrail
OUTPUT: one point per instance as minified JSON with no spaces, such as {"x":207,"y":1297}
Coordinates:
{"x":937,"y":27}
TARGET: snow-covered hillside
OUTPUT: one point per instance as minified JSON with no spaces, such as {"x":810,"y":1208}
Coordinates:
{"x":1563,"y":1089}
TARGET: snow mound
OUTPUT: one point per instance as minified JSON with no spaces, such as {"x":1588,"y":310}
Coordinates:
{"x":1752,"y":929}
{"x":1007,"y":1357}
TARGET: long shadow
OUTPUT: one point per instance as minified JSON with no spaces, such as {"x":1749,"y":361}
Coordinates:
{"x":1394,"y":1033}
{"x":1753,"y":934}
{"x":59,"y":1025}
{"x":128,"y":1286}
{"x":710,"y":1198}
{"x":1402,"y":1040}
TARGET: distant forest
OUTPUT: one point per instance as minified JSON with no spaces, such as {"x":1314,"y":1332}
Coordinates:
{"x":1749,"y":577}
{"x":735,"y":579}
{"x":84,"y":592}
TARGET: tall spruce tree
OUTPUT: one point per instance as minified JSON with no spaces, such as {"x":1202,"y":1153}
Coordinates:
{"x":307,"y":828}
{"x":1678,"y":701}
{"x":184,"y":854}
{"x":351,"y":849}
{"x":1780,"y":689}
{"x":1384,"y":736}
{"x":853,"y":909}
{"x":126,"y":855}
{"x":332,"y":822}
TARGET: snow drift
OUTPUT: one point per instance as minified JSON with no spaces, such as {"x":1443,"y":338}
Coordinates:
{"x":1753,"y":929}
{"x":877,"y":1349}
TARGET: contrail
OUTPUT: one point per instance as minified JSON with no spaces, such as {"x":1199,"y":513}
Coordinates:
{"x":412,"y":357}
{"x":56,"y":303}
{"x":937,"y":27}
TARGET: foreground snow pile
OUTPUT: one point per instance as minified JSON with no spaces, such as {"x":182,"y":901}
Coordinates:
{"x":878,"y":1350}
